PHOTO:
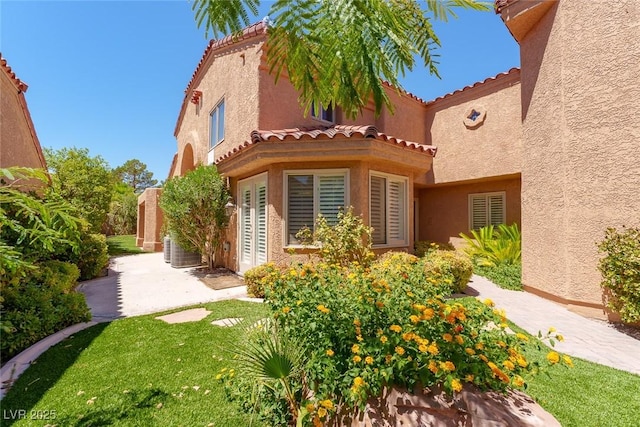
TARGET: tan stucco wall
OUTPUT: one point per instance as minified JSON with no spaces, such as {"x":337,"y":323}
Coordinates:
{"x":581,"y":157}
{"x":17,"y":145}
{"x":232,"y":75}
{"x":493,"y":148}
{"x":150,"y":219}
{"x":444,"y":210}
{"x":407,"y":120}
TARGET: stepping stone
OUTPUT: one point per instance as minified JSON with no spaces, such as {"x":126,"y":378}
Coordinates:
{"x":229,"y":321}
{"x":192,"y":315}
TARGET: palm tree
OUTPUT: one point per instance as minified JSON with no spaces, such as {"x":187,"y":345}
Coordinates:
{"x":340,"y":52}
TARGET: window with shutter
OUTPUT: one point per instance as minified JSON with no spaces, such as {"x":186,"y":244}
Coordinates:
{"x":309,"y":193}
{"x":216,"y":132}
{"x":486,"y":209}
{"x":388,"y":209}
{"x":261,"y":223}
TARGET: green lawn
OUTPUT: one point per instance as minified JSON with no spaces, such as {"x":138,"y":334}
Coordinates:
{"x":123,"y":245}
{"x":142,"y":371}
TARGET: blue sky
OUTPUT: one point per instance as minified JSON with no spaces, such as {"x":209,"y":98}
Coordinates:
{"x":110,"y":75}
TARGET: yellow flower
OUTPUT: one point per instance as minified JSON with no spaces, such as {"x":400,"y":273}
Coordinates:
{"x":388,"y":358}
{"x":509,"y":365}
{"x":323,"y":309}
{"x":433,"y":349}
{"x":414,"y":318}
{"x":379,"y":304}
{"x":427,"y":314}
{"x":327,"y":403}
{"x":358,"y":382}
{"x":322,"y":412}
{"x":522,"y":336}
{"x":522,"y":362}
{"x":419,"y":307}
{"x":285,"y":310}
{"x":489,"y":302}
{"x":470,"y":351}
{"x":383,"y":339}
{"x":480,"y":346}
{"x":408,"y":336}
{"x":567,"y":360}
{"x":447,"y":337}
{"x":447,"y":366}
{"x":456,"y":385}
{"x":552,"y":329}
{"x":399,"y":350}
{"x":357,"y":323}
{"x":359,"y":338}
{"x":459,"y":339}
{"x":218,"y":376}
{"x":502,"y":344}
{"x":368,"y":360}
{"x":518,"y":381}
{"x":559,"y":337}
{"x":553,"y":357}
{"x":310,"y":408}
{"x":293,"y":273}
{"x":330,"y":352}
{"x":357,"y":358}
{"x":469,"y":378}
{"x":395,"y":328}
{"x":433,"y":367}
{"x":484,"y":358}
{"x":422,"y":348}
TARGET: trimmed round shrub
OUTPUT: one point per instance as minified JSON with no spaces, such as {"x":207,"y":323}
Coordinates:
{"x":257,"y":278}
{"x":455,"y":266}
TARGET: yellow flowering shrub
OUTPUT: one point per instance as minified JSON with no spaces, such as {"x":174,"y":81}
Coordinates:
{"x":257,"y":278}
{"x":388,"y":331}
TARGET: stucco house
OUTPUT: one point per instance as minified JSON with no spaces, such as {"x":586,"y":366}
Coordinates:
{"x":19,"y":144}
{"x":520,"y":147}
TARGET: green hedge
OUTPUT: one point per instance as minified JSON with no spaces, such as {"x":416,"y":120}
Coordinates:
{"x":39,"y":303}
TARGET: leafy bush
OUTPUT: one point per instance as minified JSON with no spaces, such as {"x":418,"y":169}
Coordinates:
{"x":423,"y":247}
{"x":39,"y":302}
{"x":257,"y":278}
{"x":403,"y":269}
{"x":490,"y":246}
{"x":455,"y":266}
{"x":347,"y":241}
{"x":91,"y":257}
{"x":620,"y":270}
{"x":359,"y":333}
{"x":506,"y":276}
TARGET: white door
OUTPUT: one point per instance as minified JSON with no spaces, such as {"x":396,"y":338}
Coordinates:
{"x":252,"y":222}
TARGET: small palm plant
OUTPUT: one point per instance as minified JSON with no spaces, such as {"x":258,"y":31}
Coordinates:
{"x":275,"y":361}
{"x":491,"y":246}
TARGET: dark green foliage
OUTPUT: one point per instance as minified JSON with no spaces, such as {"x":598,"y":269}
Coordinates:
{"x":39,"y":302}
{"x":91,"y":256}
{"x":507,"y":276}
{"x":194,"y":209}
{"x":620,"y":270}
{"x":134,"y":174}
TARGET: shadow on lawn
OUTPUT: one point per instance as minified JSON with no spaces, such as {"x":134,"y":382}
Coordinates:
{"x":44,"y":373}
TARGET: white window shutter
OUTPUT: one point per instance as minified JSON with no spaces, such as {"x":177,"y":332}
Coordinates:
{"x":378,"y":214}
{"x":300,"y":205}
{"x":331,"y":193}
{"x":245,"y":226}
{"x":397,"y":211}
{"x":261,"y":223}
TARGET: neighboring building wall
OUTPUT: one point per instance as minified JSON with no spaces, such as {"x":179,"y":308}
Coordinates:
{"x":444,"y":210}
{"x":581,"y":160}
{"x":19,"y":145}
{"x":149,"y":220}
{"x":489,"y":149}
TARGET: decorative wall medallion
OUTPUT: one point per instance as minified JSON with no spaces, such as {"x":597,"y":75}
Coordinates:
{"x":474,"y":116}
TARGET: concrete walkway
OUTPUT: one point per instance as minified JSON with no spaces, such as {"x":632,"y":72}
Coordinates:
{"x":584,"y":338}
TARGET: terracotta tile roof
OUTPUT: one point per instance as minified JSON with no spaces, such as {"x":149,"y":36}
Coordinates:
{"x":252,"y":31}
{"x":19,"y":84}
{"x":500,"y":4}
{"x":499,"y":76}
{"x":22,"y":87}
{"x":326,"y":133}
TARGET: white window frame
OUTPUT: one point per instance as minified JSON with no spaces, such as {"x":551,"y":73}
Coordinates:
{"x":214,"y":139}
{"x":323,"y":112}
{"x":316,"y":173}
{"x":389,"y":241}
{"x":486,"y":197}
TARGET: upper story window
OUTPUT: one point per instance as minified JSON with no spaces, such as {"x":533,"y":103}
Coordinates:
{"x":325,"y":114}
{"x":309,"y":193}
{"x":486,"y":209}
{"x":216,"y":132}
{"x":388,"y":213}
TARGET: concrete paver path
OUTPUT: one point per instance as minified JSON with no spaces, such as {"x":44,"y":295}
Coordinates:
{"x":584,"y":338}
{"x":145,"y":284}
